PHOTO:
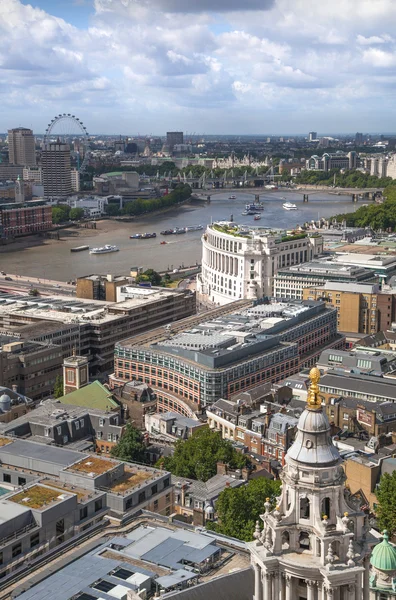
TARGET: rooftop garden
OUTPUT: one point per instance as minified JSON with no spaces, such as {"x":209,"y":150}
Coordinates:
{"x":230,"y":230}
{"x":131,"y":479}
{"x":292,"y":238}
{"x":4,"y":441}
{"x":91,"y":465}
{"x":37,"y":496}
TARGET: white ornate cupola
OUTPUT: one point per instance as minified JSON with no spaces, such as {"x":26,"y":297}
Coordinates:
{"x":313,"y":545}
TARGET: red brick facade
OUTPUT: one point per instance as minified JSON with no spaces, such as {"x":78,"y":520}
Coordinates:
{"x":19,"y":221}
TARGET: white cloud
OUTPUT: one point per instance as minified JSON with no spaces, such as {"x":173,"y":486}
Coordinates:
{"x":170,"y":62}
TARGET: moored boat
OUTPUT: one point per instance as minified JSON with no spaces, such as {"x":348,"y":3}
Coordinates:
{"x":79,"y":248}
{"x":289,"y":206}
{"x":194,"y":228}
{"x":104,"y":249}
{"x":167,"y":232}
{"x":136,"y":236}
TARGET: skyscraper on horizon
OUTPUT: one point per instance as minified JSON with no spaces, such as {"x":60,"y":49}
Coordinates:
{"x":21,"y":147}
{"x":56,"y":170}
{"x":173,"y":138}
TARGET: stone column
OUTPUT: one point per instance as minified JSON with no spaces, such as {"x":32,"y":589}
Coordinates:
{"x":310,"y":589}
{"x":289,"y":587}
{"x":351,"y":591}
{"x":268,"y":586}
{"x":276,"y":586}
{"x":322,"y":594}
{"x":258,"y":584}
{"x":366,"y":579}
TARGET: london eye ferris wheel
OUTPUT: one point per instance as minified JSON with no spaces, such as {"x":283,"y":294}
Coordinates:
{"x":70,"y":129}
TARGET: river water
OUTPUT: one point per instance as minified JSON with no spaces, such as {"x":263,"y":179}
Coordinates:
{"x":53,"y":259}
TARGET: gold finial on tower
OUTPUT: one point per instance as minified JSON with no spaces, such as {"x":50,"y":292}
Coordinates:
{"x":313,"y":399}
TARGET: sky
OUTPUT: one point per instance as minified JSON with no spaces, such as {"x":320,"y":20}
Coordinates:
{"x":200,"y":66}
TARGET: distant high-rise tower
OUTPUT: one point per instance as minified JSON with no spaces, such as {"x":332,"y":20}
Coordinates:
{"x":173,"y":138}
{"x":56,"y":166}
{"x":21,"y":147}
{"x":312,"y":136}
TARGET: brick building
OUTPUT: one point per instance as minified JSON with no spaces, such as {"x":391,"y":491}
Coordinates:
{"x":361,"y":307}
{"x":228,"y":350}
{"x":23,"y":220}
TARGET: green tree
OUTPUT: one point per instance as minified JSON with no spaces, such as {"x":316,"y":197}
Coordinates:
{"x":239,"y":508}
{"x":386,"y":508}
{"x":131,"y":446}
{"x":112,"y":210}
{"x":34,"y":292}
{"x":198,"y":456}
{"x":150,"y":275}
{"x":60,"y":213}
{"x":58,"y":388}
{"x":76,"y":214}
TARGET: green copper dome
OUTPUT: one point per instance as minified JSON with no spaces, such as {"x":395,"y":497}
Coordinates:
{"x":383,"y":556}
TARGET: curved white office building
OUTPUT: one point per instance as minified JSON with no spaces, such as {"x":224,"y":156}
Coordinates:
{"x":240,"y":264}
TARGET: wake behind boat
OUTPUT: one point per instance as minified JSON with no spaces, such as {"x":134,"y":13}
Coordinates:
{"x":289,"y":206}
{"x":104,"y":249}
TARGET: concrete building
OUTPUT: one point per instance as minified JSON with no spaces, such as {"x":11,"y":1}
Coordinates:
{"x":13,"y":404}
{"x":229,"y":350}
{"x":21,"y":220}
{"x":10,"y":172}
{"x":92,"y":327}
{"x":150,"y":560}
{"x":382,"y":264}
{"x":21,"y":147}
{"x":75,"y":180}
{"x":33,"y":174}
{"x":332,"y":160}
{"x":93,"y":206}
{"x":361,"y":307}
{"x":240,"y":264}
{"x":102,"y":287}
{"x":291,"y":282}
{"x":312,"y":136}
{"x":173,"y":138}
{"x":314,"y":543}
{"x":65,"y":493}
{"x":31,"y":367}
{"x":55,"y":160}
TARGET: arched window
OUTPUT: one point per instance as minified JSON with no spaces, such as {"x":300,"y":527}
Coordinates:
{"x":285,"y":540}
{"x":304,"y":508}
{"x":326,"y":507}
{"x":304,"y":541}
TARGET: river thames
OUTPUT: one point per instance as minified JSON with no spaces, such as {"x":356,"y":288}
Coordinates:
{"x":52,"y":259}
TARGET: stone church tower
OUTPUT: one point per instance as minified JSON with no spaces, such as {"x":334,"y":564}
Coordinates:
{"x":315,"y":544}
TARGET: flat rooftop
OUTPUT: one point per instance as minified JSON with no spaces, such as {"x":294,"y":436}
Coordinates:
{"x":69,"y":310}
{"x":322,"y":268}
{"x":91,"y":466}
{"x":39,"y":497}
{"x":132,"y":478}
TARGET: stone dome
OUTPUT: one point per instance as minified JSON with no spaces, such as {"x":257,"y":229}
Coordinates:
{"x":383,"y":556}
{"x":313,"y":444}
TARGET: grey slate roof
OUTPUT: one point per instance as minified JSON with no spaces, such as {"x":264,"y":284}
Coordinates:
{"x":366,"y":384}
{"x":234,"y":586}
